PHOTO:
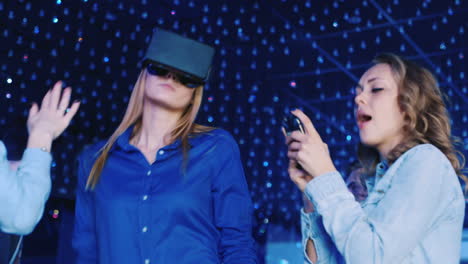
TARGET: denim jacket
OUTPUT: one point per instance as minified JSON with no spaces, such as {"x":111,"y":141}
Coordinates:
{"x":23,"y":193}
{"x":413,"y":214}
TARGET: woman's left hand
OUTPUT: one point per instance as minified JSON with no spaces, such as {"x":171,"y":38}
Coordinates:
{"x":47,"y":122}
{"x":308,"y":149}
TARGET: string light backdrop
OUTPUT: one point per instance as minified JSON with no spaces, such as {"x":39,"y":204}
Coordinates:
{"x":272,"y":56}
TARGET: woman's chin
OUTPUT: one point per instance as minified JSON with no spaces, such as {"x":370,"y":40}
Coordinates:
{"x":368,"y":142}
{"x":171,"y":106}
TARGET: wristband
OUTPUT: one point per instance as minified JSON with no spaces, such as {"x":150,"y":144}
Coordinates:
{"x":44,"y":149}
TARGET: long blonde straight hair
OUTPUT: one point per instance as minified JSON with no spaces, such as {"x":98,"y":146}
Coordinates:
{"x":133,"y":116}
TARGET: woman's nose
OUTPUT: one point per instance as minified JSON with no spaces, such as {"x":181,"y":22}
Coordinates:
{"x":171,"y":75}
{"x":359,"y":99}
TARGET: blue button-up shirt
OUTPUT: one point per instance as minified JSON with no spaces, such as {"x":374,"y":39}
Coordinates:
{"x":413,"y":214}
{"x":157,"y":214}
{"x":23,"y":193}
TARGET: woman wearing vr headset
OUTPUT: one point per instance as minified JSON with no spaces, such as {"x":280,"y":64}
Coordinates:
{"x":415,"y":205}
{"x":163,"y":189}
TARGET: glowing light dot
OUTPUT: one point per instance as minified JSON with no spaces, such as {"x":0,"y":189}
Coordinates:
{"x":9,"y":80}
{"x":55,"y":215}
{"x":292,"y":84}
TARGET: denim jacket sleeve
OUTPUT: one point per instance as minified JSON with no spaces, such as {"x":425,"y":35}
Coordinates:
{"x":312,"y":228}
{"x":400,"y":216}
{"x":23,"y":193}
{"x":84,"y":234}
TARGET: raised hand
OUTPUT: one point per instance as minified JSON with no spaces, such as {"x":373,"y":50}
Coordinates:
{"x":49,"y":121}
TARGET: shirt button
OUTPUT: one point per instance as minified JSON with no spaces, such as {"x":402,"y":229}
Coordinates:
{"x":161,"y":152}
{"x":149,"y":172}
{"x":144,"y":229}
{"x":145,"y":197}
{"x":147,"y":261}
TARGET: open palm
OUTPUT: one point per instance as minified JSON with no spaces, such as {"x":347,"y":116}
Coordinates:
{"x":53,"y":116}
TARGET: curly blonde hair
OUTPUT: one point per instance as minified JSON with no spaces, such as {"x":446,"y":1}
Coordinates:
{"x":425,"y":115}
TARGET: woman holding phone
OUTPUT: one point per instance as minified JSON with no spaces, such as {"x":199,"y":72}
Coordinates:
{"x":414,"y":209}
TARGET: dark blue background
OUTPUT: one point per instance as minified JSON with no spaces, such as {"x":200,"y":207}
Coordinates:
{"x":272,"y":56}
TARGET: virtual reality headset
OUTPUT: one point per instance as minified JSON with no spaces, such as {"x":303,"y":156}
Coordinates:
{"x":190,"y":59}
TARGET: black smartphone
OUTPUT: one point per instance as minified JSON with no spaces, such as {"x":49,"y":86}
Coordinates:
{"x":291,"y":123}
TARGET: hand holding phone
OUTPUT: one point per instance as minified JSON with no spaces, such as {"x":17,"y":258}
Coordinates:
{"x":291,"y":123}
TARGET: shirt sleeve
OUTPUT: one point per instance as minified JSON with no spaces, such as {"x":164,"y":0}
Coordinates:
{"x":232,"y":206}
{"x":84,"y":235}
{"x":400,"y":219}
{"x":23,"y":193}
{"x":312,"y":228}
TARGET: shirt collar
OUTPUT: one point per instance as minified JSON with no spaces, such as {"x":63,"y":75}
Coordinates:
{"x":123,"y":141}
{"x":381,"y":168}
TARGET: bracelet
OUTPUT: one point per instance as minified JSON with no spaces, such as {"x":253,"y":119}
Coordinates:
{"x":44,"y":149}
